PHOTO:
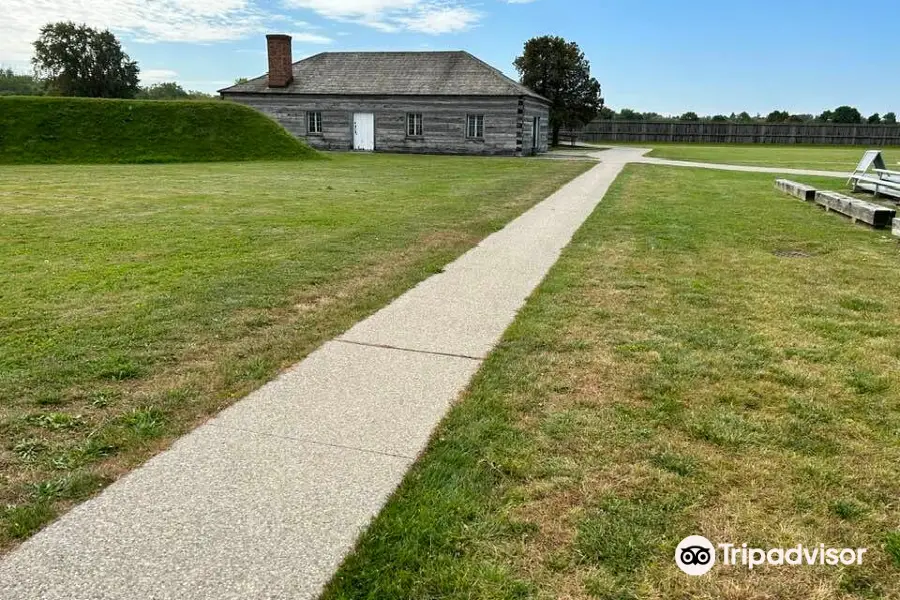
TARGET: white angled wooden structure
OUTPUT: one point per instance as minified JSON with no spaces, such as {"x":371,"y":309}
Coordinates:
{"x":872,"y":175}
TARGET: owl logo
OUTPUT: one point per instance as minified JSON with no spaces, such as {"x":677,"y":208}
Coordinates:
{"x":695,"y":555}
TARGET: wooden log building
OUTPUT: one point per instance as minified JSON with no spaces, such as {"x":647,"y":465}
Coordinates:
{"x":416,"y":102}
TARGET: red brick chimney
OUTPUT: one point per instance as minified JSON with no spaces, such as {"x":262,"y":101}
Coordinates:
{"x":281,"y":73}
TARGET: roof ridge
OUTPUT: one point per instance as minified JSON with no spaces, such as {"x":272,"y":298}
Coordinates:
{"x":333,"y":52}
{"x":387,"y":52}
{"x":398,"y":72}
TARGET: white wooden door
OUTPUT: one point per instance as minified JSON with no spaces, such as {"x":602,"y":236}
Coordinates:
{"x":364,"y":131}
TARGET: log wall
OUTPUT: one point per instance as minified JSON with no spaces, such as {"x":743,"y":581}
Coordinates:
{"x":443,"y":121}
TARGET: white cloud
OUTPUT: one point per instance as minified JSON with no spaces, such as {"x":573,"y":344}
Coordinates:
{"x":151,"y":76}
{"x":310,"y":38}
{"x":444,"y":19}
{"x":206,"y":21}
{"x":146,"y":20}
{"x":354,"y":9}
{"x":206,"y":82}
{"x":424,"y":16}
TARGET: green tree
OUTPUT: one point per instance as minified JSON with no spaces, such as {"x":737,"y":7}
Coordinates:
{"x":889,"y":118}
{"x":778,"y":116}
{"x":744,"y":117}
{"x":198,"y":95}
{"x":627,"y":114}
{"x":606,"y":113}
{"x":168,"y":90}
{"x":689,"y":116}
{"x":719,"y":119}
{"x":559,"y":71}
{"x":12,"y":83}
{"x":846,"y":114}
{"x":76,"y":60}
{"x":874,"y":119}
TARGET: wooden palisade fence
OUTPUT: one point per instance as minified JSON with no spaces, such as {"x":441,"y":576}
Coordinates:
{"x":741,"y":133}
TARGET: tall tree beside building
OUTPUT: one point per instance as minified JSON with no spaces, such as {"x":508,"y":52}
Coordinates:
{"x":559,"y":71}
{"x":76,"y":60}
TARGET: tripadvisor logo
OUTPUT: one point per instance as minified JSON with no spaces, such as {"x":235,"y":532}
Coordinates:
{"x":696,"y":555}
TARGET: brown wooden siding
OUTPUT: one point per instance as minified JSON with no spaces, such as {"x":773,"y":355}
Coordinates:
{"x":443,"y":121}
{"x":534,"y":109}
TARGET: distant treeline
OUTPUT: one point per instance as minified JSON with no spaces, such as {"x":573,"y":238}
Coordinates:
{"x":78,"y":61}
{"x":840,"y":115}
{"x":21,"y":84}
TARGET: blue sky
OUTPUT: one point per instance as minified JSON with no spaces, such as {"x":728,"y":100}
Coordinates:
{"x":652,"y":55}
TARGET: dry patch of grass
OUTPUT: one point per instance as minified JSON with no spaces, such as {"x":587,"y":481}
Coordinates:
{"x":136,"y":301}
{"x":673,"y":375}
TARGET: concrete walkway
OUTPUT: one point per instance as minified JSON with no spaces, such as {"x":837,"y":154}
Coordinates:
{"x":265,"y":500}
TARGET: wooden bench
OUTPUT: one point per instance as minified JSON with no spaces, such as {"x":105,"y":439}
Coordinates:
{"x":883,"y":181}
{"x":888,"y":174}
{"x":876,"y":185}
{"x":875,"y":215}
{"x":804,"y":192}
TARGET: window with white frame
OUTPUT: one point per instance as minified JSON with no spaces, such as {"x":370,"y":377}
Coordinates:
{"x":314,"y":124}
{"x":414,"y":124}
{"x":475,"y":126}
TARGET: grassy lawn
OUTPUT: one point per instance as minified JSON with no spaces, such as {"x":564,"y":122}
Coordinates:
{"x":682,"y":370}
{"x":828,"y":158}
{"x":135,"y":301}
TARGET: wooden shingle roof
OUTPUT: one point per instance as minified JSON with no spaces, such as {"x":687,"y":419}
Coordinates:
{"x":391,"y":73}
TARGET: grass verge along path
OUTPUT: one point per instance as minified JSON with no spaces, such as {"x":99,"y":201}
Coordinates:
{"x":135,"y":301}
{"x":708,"y":357}
{"x":828,"y":158}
